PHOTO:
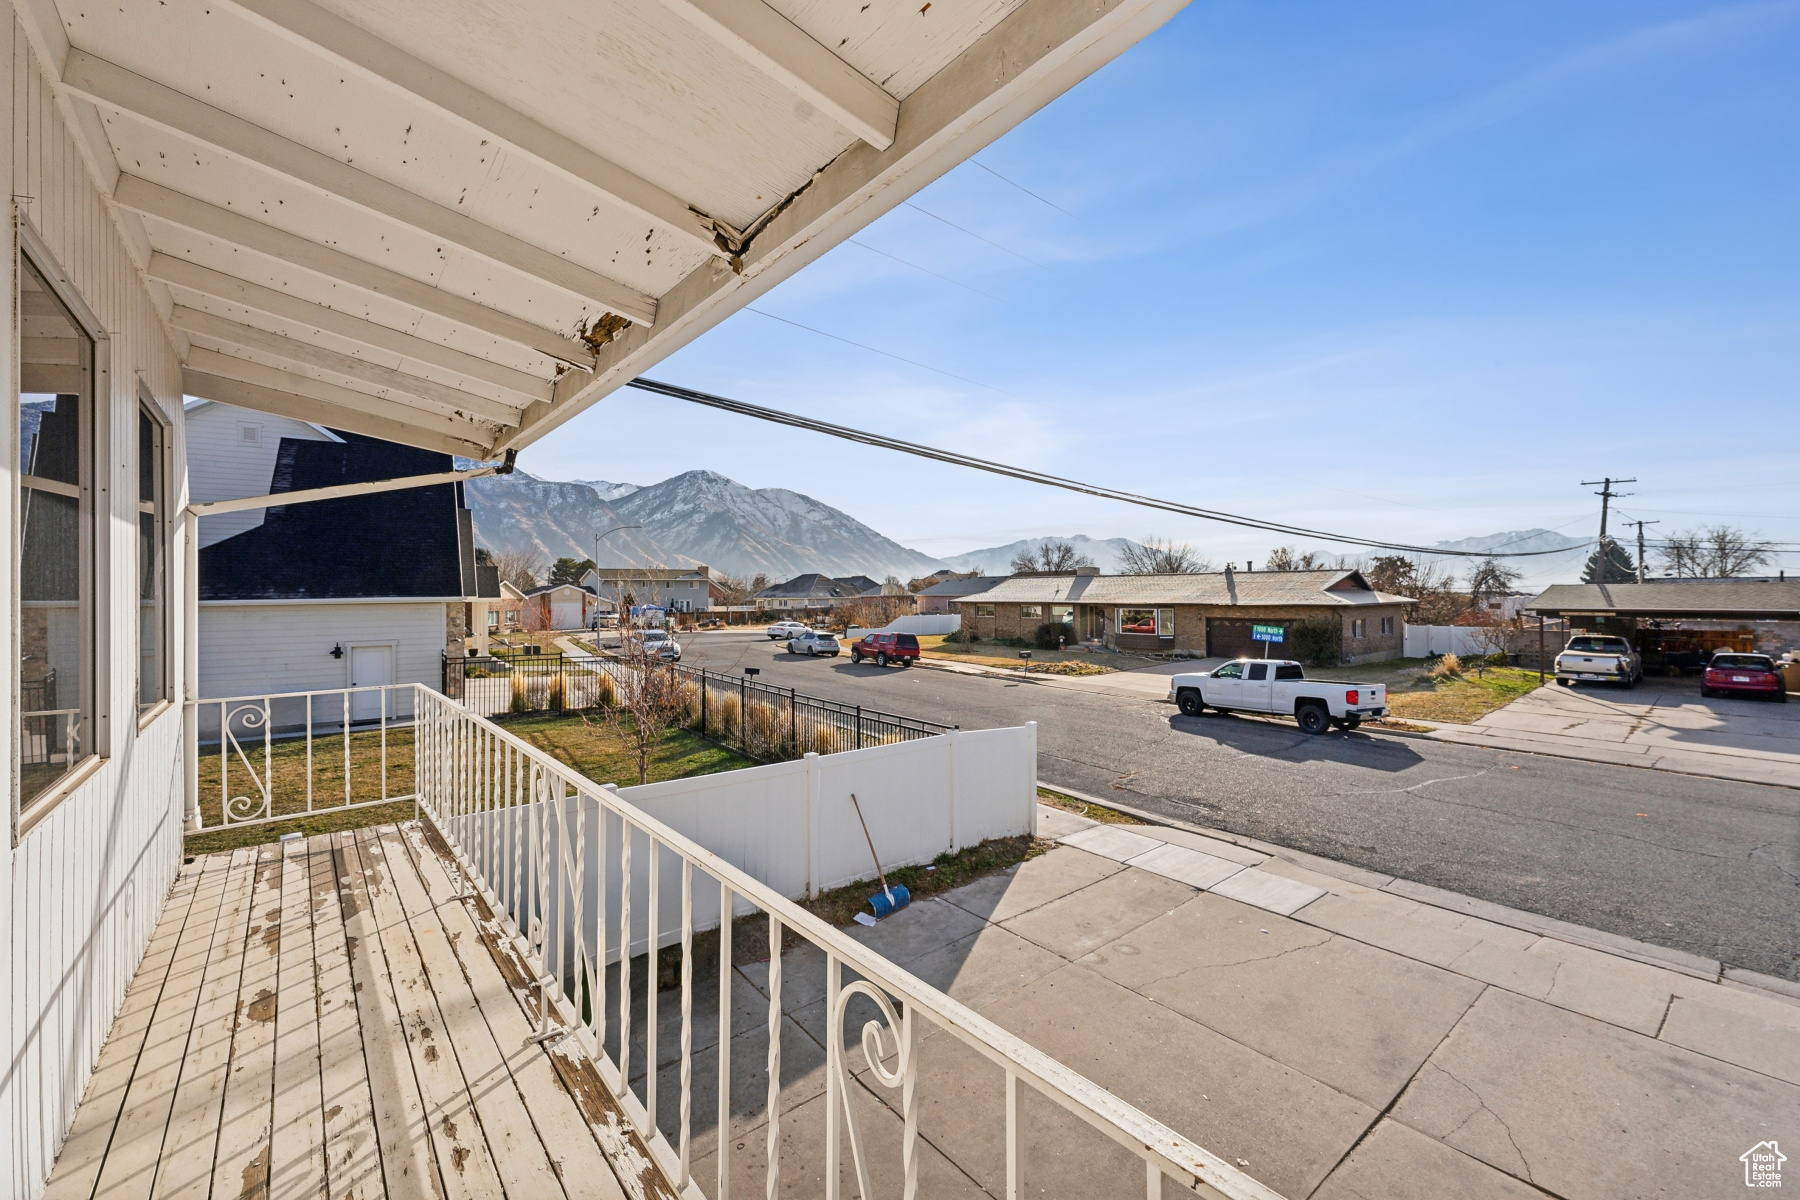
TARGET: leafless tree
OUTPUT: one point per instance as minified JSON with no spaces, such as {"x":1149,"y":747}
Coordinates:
{"x":1491,"y":579}
{"x":891,"y":586}
{"x":1160,"y":556}
{"x":521,"y":568}
{"x":1283,"y":558}
{"x":1493,"y":636}
{"x":1052,"y":557}
{"x":1718,"y":552}
{"x":1436,"y":598}
{"x":649,"y":699}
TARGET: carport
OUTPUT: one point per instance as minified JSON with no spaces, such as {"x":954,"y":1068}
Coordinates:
{"x":1674,"y":622}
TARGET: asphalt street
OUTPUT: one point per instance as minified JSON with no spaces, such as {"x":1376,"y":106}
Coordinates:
{"x":1707,"y":866}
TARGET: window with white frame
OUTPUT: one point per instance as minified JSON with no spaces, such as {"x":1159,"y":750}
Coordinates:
{"x":1031,"y":612}
{"x":984,"y":610}
{"x":55,"y":669}
{"x":493,"y":619}
{"x":153,"y":588}
{"x":1159,"y":622}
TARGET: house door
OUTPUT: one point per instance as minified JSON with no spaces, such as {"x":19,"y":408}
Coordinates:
{"x":370,"y":666}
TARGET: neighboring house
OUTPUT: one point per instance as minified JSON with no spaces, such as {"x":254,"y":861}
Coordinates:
{"x":231,"y":453}
{"x":1210,"y":614}
{"x":678,"y":589}
{"x":1495,"y":609}
{"x":1683,"y":614}
{"x":351,"y":592}
{"x":937,"y":597}
{"x":507,"y":613}
{"x":563,"y":606}
{"x":815,"y":591}
{"x":483,"y":612}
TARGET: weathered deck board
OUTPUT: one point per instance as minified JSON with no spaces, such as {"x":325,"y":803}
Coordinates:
{"x":187,"y":1153}
{"x":352,"y":1163}
{"x":330,"y":1021}
{"x":85,"y":1150}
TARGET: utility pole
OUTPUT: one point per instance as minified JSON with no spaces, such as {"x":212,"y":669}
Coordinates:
{"x":1607,"y":496}
{"x":1640,"y":528}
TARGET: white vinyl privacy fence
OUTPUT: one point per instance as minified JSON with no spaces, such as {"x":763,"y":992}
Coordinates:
{"x":573,"y":873}
{"x":1422,"y":641}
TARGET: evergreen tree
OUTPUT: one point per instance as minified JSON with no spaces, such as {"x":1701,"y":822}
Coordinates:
{"x":1619,"y":566}
{"x":570,"y":570}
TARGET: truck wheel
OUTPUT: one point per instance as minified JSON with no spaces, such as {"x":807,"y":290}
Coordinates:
{"x":1189,"y":702}
{"x":856,"y":657}
{"x":1349,"y":723}
{"x":1628,"y":683}
{"x":906,"y":662}
{"x":881,"y":658}
{"x":1565,"y":683}
{"x":1312,"y":719}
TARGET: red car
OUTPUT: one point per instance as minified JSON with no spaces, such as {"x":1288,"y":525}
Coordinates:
{"x":885,"y":648}
{"x":1743,"y":675}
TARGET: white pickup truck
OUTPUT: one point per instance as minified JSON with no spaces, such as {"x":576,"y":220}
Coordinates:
{"x":1598,"y":658}
{"x":1278,"y":686}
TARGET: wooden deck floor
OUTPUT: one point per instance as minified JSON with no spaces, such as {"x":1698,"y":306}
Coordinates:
{"x":326,"y":1021}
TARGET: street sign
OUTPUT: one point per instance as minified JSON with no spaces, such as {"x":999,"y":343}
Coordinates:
{"x":1267,"y":633}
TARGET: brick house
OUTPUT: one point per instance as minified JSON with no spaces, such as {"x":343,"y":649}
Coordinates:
{"x":1207,"y":615}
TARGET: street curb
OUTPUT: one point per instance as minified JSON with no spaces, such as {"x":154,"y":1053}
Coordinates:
{"x":1692,"y":965}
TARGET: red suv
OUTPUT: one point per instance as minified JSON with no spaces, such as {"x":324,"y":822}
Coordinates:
{"x":885,"y":648}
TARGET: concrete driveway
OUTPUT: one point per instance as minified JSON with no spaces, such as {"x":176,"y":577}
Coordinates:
{"x":1663,"y":724}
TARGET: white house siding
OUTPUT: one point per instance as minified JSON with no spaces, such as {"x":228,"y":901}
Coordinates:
{"x":84,"y":884}
{"x":253,"y":649}
{"x":223,"y":464}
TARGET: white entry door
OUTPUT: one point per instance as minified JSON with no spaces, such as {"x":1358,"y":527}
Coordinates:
{"x":369,"y":666}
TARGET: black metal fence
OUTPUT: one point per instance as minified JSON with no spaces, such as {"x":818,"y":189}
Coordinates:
{"x":764,"y":720}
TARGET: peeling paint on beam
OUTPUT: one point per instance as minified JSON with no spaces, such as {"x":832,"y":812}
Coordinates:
{"x":224,"y":390}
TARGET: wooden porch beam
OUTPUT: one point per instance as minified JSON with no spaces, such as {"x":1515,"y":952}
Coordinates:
{"x":181,"y":273}
{"x":207,"y":327}
{"x":788,"y":56}
{"x":301,"y":407}
{"x":115,"y":87}
{"x":164,"y":204}
{"x":309,"y":25}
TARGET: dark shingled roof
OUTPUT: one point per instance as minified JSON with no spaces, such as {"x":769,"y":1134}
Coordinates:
{"x":1717,"y":599}
{"x":813,"y":586}
{"x":414,"y":542}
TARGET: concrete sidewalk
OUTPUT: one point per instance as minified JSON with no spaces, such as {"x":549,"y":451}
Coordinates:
{"x":1662,"y":725}
{"x":1335,"y":1037}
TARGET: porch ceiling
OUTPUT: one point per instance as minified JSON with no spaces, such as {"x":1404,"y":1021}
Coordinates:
{"x":458,"y":225}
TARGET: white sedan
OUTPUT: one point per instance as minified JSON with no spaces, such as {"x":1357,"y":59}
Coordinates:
{"x":782,"y":630}
{"x":813,"y":642}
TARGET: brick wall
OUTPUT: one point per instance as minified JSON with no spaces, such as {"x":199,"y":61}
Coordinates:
{"x":1190,"y":627}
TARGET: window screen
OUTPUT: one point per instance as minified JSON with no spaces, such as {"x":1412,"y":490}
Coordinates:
{"x":56,"y":539}
{"x":153,"y":617}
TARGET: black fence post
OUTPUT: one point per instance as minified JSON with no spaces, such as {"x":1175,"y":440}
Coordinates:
{"x":702,"y":701}
{"x":744,"y":712}
{"x":859,"y":727}
{"x":794,"y":721}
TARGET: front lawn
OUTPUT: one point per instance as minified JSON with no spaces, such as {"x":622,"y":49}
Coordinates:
{"x":590,"y":747}
{"x":1044,"y":662}
{"x":1461,"y":699}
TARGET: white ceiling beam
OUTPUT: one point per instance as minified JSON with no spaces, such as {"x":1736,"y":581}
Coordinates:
{"x":225,"y":390}
{"x":787,"y":55}
{"x":312,"y":26}
{"x":193,"y":277}
{"x":209,"y":327}
{"x":164,"y":204}
{"x":113,"y":86}
{"x":1041,"y":50}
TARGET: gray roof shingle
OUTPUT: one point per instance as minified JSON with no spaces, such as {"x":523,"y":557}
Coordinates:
{"x":1337,"y":588}
{"x":1725,"y":599}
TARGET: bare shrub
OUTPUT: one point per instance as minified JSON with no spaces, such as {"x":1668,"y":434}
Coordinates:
{"x":558,"y":696}
{"x":1448,"y":667}
{"x":521,"y":693}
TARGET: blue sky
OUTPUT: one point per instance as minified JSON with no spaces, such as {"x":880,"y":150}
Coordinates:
{"x":1406,"y":270}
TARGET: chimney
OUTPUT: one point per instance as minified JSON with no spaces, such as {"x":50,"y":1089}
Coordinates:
{"x":1087,"y":570}
{"x":1250,"y":566}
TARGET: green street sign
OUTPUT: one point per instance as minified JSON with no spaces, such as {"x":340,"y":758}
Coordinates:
{"x":1267,"y":633}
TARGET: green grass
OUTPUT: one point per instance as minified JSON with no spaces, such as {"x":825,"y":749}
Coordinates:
{"x":1460,"y":699}
{"x":1082,"y":808}
{"x":590,"y":747}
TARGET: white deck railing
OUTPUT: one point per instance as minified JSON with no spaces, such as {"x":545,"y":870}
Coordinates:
{"x":526,"y":831}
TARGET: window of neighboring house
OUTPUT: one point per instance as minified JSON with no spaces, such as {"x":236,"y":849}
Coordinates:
{"x":1063,"y":614}
{"x":1387,"y":626}
{"x":1356,"y":629}
{"x":1158,"y":621}
{"x":984,"y":610}
{"x":152,"y":505}
{"x":55,"y":670}
{"x":512,"y":616}
{"x":493,"y":619}
{"x":1032,"y":611}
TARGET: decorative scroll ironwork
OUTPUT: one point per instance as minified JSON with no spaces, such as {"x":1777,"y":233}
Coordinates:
{"x":236,"y":809}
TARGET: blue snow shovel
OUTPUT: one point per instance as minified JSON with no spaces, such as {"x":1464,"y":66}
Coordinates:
{"x":889,"y":900}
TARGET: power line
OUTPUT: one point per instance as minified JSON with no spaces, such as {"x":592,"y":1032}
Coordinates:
{"x":741,"y":408}
{"x":915,"y":266}
{"x":884,"y":353}
{"x":1003,"y":179}
{"x":996,"y":245}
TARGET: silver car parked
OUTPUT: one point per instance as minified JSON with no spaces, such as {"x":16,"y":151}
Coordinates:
{"x":813,"y":642}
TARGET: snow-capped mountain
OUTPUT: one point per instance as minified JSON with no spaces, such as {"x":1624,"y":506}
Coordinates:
{"x":1563,"y":566}
{"x":609,"y":491}
{"x":558,"y":520}
{"x":708,"y":518}
{"x":997,"y":560}
{"x":696,"y":517}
